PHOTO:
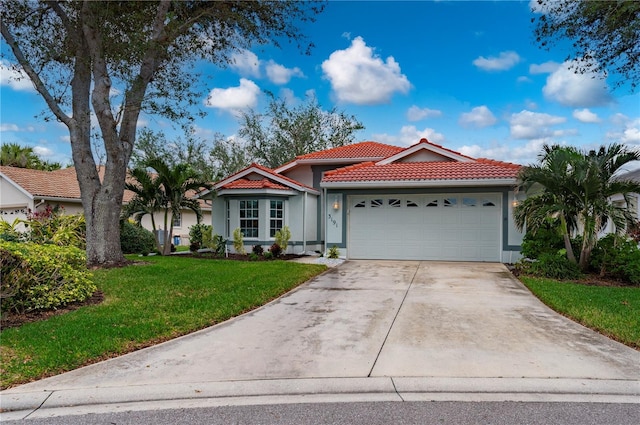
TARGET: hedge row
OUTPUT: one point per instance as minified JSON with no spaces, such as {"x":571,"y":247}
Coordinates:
{"x":41,"y":277}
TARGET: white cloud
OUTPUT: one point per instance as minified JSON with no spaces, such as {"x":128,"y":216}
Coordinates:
{"x":504,"y":61}
{"x":8,"y":127}
{"x":246,"y":63}
{"x":279,"y":74}
{"x":43,"y":151}
{"x":576,"y":90}
{"x":628,"y":131}
{"x":414,"y":113}
{"x":479,"y":117}
{"x":534,"y":125}
{"x":518,"y":154}
{"x":410,"y":135}
{"x":524,"y":79}
{"x":14,"y":78}
{"x":585,"y":115}
{"x":544,"y":68}
{"x":234,"y":98}
{"x":359,"y":76}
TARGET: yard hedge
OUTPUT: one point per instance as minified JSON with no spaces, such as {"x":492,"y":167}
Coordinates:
{"x":42,"y":277}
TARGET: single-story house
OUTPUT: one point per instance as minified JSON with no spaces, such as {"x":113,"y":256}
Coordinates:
{"x":23,"y":189}
{"x":377,"y":201}
{"x":634,"y":198}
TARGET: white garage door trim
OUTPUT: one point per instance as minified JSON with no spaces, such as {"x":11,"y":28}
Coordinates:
{"x":450,"y":226}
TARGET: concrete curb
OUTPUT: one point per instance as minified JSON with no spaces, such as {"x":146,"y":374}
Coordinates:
{"x":22,"y":405}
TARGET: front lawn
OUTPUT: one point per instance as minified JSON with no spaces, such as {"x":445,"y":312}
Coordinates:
{"x":611,"y":310}
{"x":144,"y":304}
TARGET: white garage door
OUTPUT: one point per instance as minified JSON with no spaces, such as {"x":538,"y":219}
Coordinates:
{"x":454,"y":227}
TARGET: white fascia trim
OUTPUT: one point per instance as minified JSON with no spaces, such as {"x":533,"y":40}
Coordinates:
{"x":423,"y":146}
{"x":418,"y":183}
{"x":17,"y":186}
{"x":327,"y":161}
{"x":54,"y":198}
{"x":266,"y":175}
{"x":249,"y":192}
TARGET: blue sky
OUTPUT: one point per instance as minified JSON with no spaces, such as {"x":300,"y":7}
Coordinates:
{"x":466,"y":75}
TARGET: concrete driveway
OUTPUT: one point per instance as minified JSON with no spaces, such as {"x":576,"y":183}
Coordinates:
{"x":431,"y":327}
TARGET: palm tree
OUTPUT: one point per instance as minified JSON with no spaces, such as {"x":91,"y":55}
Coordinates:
{"x":572,"y":189}
{"x":551,"y":202}
{"x":148,"y":199}
{"x":178,"y":182}
{"x":14,"y":155}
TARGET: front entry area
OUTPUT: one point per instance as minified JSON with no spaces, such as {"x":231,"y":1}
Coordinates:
{"x":447,"y":227}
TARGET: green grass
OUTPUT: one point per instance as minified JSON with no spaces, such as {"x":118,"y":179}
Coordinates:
{"x":144,"y":304}
{"x":612,"y":311}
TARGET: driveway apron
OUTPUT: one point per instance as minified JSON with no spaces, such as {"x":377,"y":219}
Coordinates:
{"x":382,"y":318}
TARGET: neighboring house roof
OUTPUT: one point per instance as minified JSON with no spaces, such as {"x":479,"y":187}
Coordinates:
{"x":58,"y":185}
{"x":357,"y":152}
{"x":631,"y":175}
{"x":269,"y":180}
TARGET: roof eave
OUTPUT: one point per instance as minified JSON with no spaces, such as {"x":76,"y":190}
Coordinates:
{"x":279,"y":192}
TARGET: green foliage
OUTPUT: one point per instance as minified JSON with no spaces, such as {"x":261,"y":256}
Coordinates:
{"x":238,"y":241}
{"x":257,"y":249}
{"x":605,"y":35}
{"x":135,"y":239}
{"x":282,"y":133}
{"x":42,"y":277}
{"x":551,"y":265}
{"x":267,"y":255}
{"x":52,"y":226}
{"x":201,"y":236}
{"x":14,"y":155}
{"x":546,"y":239}
{"x":9,"y":231}
{"x":617,"y":257}
{"x":282,"y":237}
{"x":275,"y":250}
{"x":219,"y":245}
{"x":254,"y":257}
{"x":334,"y":252}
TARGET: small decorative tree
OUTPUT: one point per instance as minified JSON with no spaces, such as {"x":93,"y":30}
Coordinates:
{"x":282,"y":238}
{"x":238,"y":242}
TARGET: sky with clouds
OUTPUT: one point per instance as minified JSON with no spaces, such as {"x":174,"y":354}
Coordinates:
{"x":466,"y":75}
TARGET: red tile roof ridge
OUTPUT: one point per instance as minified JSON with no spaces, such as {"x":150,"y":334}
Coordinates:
{"x":425,"y":140}
{"x":500,"y":163}
{"x":342,"y":148}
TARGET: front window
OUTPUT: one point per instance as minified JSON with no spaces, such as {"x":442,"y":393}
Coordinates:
{"x":276,"y":215}
{"x":177,"y":220}
{"x":249,"y":218}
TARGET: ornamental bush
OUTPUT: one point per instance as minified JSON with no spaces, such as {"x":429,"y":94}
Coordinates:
{"x":282,"y":237}
{"x":42,"y":277}
{"x":135,"y":239}
{"x":617,"y":257}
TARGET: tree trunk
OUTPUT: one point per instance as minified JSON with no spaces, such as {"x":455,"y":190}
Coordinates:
{"x":567,"y":240}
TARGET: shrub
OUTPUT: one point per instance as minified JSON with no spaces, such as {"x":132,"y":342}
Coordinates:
{"x":275,"y":250}
{"x":238,"y":242}
{"x":254,"y":257}
{"x":333,"y":253}
{"x":545,"y":240}
{"x":9,"y":231}
{"x":258,"y":249}
{"x":282,"y":237}
{"x":135,"y":239}
{"x":51,"y":226}
{"x":42,"y":277}
{"x":551,"y":265}
{"x":219,"y":245}
{"x":197,"y":233}
{"x":618,"y":258}
{"x":267,"y":255}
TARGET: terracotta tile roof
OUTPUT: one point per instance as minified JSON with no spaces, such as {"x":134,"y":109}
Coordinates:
{"x":355,"y":150}
{"x":59,"y":183}
{"x":369,"y":171}
{"x":254,"y":184}
{"x":266,"y":170}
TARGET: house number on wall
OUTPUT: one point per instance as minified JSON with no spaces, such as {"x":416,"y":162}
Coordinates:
{"x":333,"y":221}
